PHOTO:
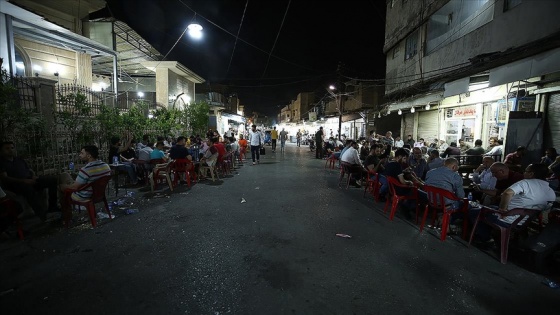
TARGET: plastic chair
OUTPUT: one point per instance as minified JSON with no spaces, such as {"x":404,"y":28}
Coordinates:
{"x":506,"y":232}
{"x":203,"y":169}
{"x":396,"y":198}
{"x":98,"y":188}
{"x":331,"y":161}
{"x":439,"y":200}
{"x":180,"y":167}
{"x":161,"y":173}
{"x":10,"y":209}
{"x":345,"y":170}
{"x":141,"y":167}
{"x":373,"y":185}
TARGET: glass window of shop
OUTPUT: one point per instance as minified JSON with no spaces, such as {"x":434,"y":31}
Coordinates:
{"x":460,"y":124}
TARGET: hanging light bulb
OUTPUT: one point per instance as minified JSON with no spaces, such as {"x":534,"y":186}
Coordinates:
{"x":379,"y":116}
{"x":388,"y":112}
{"x":412,"y":110}
{"x":428,"y":106}
{"x":399,"y":112}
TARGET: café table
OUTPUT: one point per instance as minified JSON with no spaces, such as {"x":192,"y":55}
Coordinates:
{"x":115,"y":172}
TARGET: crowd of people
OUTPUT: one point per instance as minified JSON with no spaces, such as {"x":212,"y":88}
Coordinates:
{"x":505,"y":185}
{"x":18,"y":183}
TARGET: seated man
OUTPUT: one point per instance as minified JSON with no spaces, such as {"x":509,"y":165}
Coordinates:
{"x":446,"y":177}
{"x":417,"y":163}
{"x":451,"y":150}
{"x":434,"y":161}
{"x":178,"y":151}
{"x":477,"y":153}
{"x":515,"y":159}
{"x":17,"y":177}
{"x":395,"y":170}
{"x":504,"y":178}
{"x":352,"y":158}
{"x":157,"y":153}
{"x":115,"y":150}
{"x":374,"y":161}
{"x":482,"y":178}
{"x":532,"y":192}
{"x":92,"y":171}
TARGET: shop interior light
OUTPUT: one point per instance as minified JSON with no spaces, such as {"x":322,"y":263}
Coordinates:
{"x":399,"y":112}
{"x":428,"y":106}
{"x":412,"y":110}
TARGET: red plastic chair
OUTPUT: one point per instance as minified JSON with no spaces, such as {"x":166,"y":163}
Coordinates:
{"x":331,"y":161}
{"x":98,"y":195}
{"x":439,"y":200}
{"x":396,"y":198}
{"x":180,"y":166}
{"x":506,"y":232}
{"x":373,"y":185}
{"x":348,"y":170}
{"x":11,"y":211}
{"x":160,"y":174}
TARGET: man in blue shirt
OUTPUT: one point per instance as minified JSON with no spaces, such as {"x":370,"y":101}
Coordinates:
{"x":446,"y":177}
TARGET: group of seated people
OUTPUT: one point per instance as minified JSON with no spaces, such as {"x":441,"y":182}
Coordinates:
{"x":494,"y":184}
{"x":18,"y":179}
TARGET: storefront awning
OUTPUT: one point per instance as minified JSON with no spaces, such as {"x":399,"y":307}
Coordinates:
{"x":417,"y":101}
{"x":350,"y":117}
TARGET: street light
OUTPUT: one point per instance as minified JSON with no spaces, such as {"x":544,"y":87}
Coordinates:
{"x":338,"y":98}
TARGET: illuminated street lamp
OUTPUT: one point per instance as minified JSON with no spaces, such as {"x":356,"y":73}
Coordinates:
{"x":195,"y":30}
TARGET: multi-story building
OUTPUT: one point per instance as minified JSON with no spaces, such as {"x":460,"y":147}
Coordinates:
{"x":474,"y":69}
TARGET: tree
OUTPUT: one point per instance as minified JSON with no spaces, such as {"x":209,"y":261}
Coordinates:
{"x":197,"y":118}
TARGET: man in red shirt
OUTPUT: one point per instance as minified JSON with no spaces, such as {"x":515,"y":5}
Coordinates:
{"x":504,"y":178}
{"x":515,"y":159}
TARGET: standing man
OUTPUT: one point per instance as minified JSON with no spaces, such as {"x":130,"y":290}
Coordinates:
{"x":410,"y":141}
{"x":274,"y":137}
{"x":388,"y":139}
{"x":298,"y":138}
{"x":283,"y":138}
{"x":319,"y":136}
{"x":256,"y":140}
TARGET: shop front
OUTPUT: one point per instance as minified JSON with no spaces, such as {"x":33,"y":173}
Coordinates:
{"x":462,"y":123}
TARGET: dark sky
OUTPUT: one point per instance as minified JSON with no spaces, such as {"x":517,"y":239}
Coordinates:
{"x":275,"y":58}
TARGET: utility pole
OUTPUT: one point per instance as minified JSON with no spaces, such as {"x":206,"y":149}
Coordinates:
{"x":340,"y":87}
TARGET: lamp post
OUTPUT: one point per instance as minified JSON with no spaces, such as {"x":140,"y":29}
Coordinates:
{"x":338,"y":99}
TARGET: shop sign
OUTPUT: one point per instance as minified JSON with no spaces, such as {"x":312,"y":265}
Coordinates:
{"x":312,"y":116}
{"x":466,"y":111}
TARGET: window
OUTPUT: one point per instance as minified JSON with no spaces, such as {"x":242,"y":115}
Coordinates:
{"x":508,"y":4}
{"x":456,"y":19}
{"x":411,"y":46}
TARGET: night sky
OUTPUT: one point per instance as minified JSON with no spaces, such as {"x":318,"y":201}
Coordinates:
{"x":275,"y":58}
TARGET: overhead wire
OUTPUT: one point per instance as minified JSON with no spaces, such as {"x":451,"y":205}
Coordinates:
{"x":237,"y":38}
{"x":276,"y":39}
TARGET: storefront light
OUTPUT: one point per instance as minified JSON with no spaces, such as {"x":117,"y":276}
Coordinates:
{"x":399,"y":112}
{"x":428,"y":106}
{"x":412,"y":110}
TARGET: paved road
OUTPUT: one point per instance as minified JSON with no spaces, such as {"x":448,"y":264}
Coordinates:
{"x":202,"y":251}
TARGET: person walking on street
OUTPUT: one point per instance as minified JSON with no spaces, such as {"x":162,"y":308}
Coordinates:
{"x":256,"y":140}
{"x":283,"y":137}
{"x":298,"y":138}
{"x":319,"y":143}
{"x":274,"y":138}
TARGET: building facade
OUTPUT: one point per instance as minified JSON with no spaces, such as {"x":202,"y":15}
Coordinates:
{"x":473,"y":70}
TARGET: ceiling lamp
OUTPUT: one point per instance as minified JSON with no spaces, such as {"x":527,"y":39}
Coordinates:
{"x":428,"y":106}
{"x":379,"y":116}
{"x":399,"y":112}
{"x":412,"y":110}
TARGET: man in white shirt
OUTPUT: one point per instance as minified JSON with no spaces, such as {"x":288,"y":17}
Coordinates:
{"x":420,"y":143}
{"x":443,"y":146}
{"x":398,"y":142}
{"x":256,"y":139}
{"x":352,"y":158}
{"x":533,"y":192}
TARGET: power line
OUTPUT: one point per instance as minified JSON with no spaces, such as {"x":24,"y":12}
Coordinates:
{"x":237,"y":37}
{"x":276,"y":39}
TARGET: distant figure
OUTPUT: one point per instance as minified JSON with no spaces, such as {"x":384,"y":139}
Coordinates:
{"x":319,"y":136}
{"x":298,"y":138}
{"x":283,"y":137}
{"x":274,"y":138}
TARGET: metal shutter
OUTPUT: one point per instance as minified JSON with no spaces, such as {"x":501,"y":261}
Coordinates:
{"x":428,"y":125}
{"x":408,"y":126}
{"x":552,"y":129}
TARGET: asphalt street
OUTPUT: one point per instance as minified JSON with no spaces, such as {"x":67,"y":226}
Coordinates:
{"x":204,"y":251}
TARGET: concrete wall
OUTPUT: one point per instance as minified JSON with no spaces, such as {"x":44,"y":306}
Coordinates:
{"x":51,"y":59}
{"x":523,"y":24}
